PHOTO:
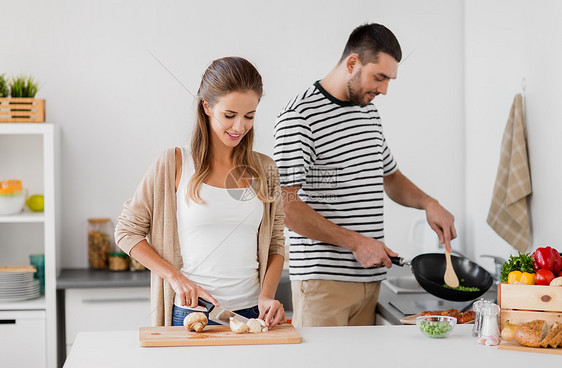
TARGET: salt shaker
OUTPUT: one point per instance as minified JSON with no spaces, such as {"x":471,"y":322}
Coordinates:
{"x":490,"y":332}
{"x":477,"y":307}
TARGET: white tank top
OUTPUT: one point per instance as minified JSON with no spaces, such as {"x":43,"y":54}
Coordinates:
{"x":219,"y":240}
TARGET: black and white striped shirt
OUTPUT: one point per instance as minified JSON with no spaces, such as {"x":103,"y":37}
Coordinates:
{"x":337,"y":153}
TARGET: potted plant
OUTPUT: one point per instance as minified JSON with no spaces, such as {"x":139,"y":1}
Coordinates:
{"x":23,"y":87}
{"x":22,"y":90}
{"x":4,"y":89}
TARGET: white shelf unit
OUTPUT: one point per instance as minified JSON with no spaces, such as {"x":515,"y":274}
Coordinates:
{"x":25,"y":216}
{"x":47,"y":134}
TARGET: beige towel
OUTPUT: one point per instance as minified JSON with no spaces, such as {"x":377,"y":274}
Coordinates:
{"x":508,"y":215}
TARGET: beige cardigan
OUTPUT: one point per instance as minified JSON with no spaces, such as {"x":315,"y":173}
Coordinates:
{"x":151,"y":214}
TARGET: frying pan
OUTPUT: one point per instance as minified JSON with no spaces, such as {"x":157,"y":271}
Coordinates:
{"x":429,"y":269}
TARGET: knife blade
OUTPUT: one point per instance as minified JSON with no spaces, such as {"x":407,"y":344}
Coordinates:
{"x":219,"y":314}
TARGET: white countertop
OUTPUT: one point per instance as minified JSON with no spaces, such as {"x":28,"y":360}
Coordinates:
{"x":370,"y":346}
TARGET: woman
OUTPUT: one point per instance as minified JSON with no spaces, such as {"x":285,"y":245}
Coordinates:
{"x":199,"y":215}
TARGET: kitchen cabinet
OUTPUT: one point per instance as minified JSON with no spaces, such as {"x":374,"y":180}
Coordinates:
{"x":381,"y":321}
{"x":23,"y":332}
{"x":105,"y":309}
{"x":29,"y":151}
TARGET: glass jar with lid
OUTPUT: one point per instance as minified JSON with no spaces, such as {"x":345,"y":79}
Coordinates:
{"x":118,"y":260}
{"x":135,"y":265}
{"x":100,"y":238}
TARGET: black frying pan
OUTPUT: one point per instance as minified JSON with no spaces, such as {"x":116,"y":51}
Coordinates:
{"x":429,"y":270}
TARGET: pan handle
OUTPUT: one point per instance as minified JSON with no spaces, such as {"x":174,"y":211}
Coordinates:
{"x":399,"y":261}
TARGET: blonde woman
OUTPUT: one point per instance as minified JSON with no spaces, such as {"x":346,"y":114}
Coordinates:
{"x":207,"y":220}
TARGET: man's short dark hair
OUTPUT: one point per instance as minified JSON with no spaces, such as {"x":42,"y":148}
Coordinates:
{"x":369,"y":40}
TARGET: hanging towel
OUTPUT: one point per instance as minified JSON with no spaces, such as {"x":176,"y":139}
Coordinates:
{"x":509,"y":216}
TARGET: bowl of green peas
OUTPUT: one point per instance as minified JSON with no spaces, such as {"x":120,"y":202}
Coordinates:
{"x":436,"y":326}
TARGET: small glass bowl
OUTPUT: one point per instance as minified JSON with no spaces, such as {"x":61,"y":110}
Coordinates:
{"x":436,"y":326}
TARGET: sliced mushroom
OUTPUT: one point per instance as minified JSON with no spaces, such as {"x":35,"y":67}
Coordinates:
{"x":237,"y":327}
{"x":195,"y":321}
{"x":256,"y":325}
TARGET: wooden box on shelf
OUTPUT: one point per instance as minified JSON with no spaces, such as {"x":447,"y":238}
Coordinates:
{"x":524,"y":303}
{"x":22,"y":110}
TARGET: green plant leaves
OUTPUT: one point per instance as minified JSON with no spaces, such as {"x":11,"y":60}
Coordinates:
{"x":23,"y":86}
{"x":4,"y":89}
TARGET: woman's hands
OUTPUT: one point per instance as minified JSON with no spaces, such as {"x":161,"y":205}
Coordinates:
{"x":189,"y":292}
{"x":271,"y":311}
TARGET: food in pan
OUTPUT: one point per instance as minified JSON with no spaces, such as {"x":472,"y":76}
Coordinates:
{"x":462,"y":288}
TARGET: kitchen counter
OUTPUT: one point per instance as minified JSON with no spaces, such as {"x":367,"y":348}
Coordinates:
{"x":393,"y":307}
{"x":70,"y":278}
{"x":392,"y":346}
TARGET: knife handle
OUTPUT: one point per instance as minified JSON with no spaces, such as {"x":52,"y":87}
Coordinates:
{"x":206,"y":304}
{"x":399,"y":261}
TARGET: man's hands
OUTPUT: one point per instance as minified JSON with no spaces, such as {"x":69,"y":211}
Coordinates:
{"x":370,"y":252}
{"x":441,"y":221}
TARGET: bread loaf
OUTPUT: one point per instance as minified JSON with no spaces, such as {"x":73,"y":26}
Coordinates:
{"x":532,"y":333}
{"x":556,"y":328}
{"x":557,"y":341}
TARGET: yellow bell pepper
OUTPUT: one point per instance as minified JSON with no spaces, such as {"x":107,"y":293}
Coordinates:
{"x":521,"y":277}
{"x":527,"y":278}
{"x":514,"y":276}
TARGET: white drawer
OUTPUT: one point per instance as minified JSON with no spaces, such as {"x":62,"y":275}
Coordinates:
{"x":22,"y":339}
{"x":106,"y":309}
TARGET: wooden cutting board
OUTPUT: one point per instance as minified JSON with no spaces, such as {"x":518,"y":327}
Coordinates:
{"x":215,"y":335}
{"x":512,"y":345}
{"x":18,"y":269}
{"x":410,"y":320}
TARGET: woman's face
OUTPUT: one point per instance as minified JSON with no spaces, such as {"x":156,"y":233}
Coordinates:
{"x":232,"y":117}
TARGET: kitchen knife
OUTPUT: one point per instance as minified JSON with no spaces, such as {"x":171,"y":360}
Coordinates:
{"x":219,"y":314}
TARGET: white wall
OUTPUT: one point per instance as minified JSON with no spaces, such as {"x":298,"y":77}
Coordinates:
{"x":505,"y":42}
{"x":118,"y":108}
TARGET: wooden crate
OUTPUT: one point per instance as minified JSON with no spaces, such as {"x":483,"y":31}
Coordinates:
{"x":524,"y":303}
{"x":22,"y":110}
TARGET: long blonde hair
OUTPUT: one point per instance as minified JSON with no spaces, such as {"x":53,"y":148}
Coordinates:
{"x":223,"y":76}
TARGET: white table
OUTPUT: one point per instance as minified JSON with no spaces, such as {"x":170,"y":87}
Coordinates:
{"x":372,"y":346}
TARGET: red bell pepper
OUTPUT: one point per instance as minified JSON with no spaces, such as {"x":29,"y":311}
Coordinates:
{"x":547,"y":258}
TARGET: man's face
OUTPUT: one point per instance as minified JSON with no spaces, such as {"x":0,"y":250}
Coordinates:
{"x":370,"y":80}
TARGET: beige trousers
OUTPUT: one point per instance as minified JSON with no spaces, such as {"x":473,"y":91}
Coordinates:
{"x":334,"y":303}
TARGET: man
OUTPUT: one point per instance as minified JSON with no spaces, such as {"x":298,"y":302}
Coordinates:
{"x":334,"y":164}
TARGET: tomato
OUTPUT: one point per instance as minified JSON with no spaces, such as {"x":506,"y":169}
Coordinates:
{"x":544,"y":277}
{"x":559,"y":274}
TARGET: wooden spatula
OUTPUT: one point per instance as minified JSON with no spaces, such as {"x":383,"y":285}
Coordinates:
{"x":450,"y":277}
